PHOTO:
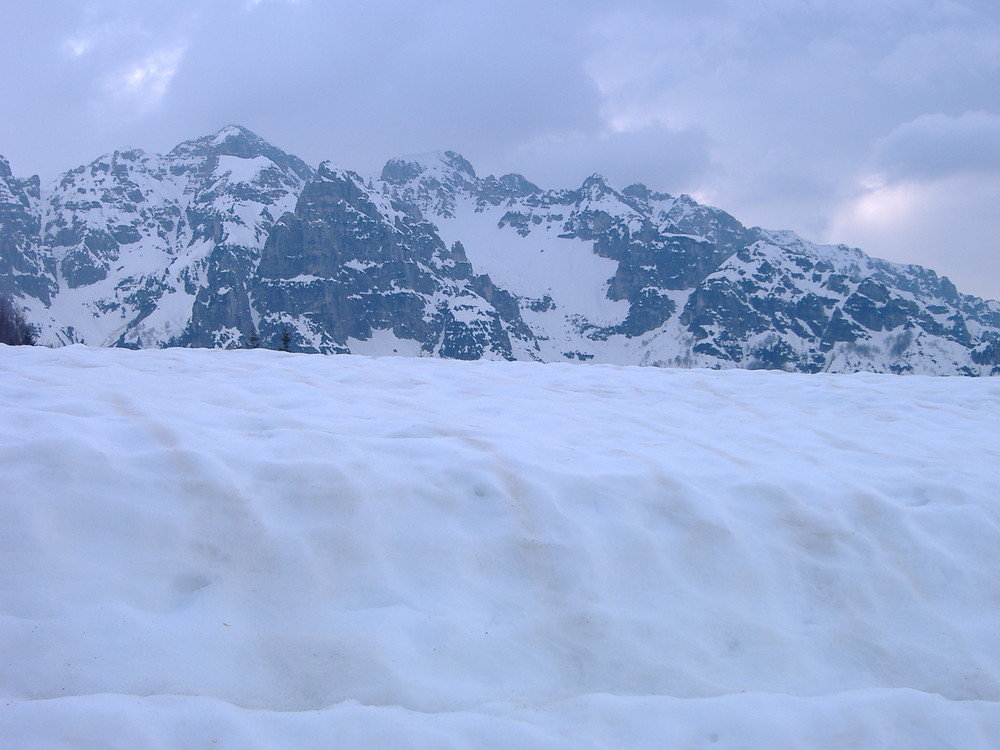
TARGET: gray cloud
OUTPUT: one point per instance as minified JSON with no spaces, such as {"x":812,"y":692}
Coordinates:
{"x":936,"y":58}
{"x":359,"y":86}
{"x":937,"y":146}
{"x":662,"y":158}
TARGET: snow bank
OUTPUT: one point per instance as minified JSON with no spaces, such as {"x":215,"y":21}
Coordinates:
{"x":252,"y":549}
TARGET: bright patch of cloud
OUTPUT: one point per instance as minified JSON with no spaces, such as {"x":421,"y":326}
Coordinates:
{"x":882,"y":207}
{"x":931,"y":199}
{"x":142,"y":84}
{"x":949,"y":224}
{"x":97,"y":36}
{"x":80,"y":46}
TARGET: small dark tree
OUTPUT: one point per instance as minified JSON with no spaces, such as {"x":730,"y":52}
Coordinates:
{"x":14,"y":329}
{"x":286,"y":340}
{"x":252,"y":340}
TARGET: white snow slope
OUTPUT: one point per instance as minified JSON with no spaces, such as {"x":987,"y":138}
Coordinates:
{"x":251,"y":549}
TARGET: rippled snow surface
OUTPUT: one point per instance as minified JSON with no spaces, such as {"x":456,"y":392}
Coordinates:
{"x":261,"y":550}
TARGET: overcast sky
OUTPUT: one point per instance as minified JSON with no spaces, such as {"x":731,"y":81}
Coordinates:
{"x":870,"y":122}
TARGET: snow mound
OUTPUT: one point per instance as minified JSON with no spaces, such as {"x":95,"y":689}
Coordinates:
{"x":252,"y":549}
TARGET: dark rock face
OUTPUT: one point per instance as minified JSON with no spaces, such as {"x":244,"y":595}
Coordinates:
{"x":23,"y":265}
{"x":813,"y":307}
{"x":221,"y":313}
{"x":346,"y":264}
{"x":228,"y":241}
{"x":149,"y":245}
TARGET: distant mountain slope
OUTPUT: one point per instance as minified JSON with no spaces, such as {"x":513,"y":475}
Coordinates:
{"x":228,"y":241}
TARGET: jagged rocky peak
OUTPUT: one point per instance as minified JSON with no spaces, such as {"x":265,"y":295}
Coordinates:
{"x":331,"y":185}
{"x":352,"y":186}
{"x":518,"y":185}
{"x":6,"y":192}
{"x":683,"y":214}
{"x":434,"y":181}
{"x":237,"y":141}
{"x":232,"y":140}
{"x":595,"y":188}
{"x":118,"y":156}
{"x":638,"y":191}
{"x":684,"y":210}
{"x":431,"y":182}
{"x":329,"y":171}
{"x":847,"y":259}
{"x":647,"y":202}
{"x":234,"y":135}
{"x":401,"y":171}
{"x":506,"y":189}
{"x":441,"y":166}
{"x":14,"y":190}
{"x":117,"y":164}
{"x":457,"y":163}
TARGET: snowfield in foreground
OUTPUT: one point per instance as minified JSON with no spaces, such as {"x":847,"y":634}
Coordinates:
{"x":252,"y":549}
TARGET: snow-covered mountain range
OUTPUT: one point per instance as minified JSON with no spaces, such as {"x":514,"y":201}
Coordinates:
{"x":228,"y":241}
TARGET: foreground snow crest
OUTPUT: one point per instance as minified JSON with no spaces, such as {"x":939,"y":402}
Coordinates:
{"x":270,"y":550}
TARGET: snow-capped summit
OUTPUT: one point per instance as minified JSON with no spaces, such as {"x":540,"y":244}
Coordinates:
{"x":136,"y":245}
{"x":239,"y":142}
{"x":236,"y":134}
{"x":229,"y":241}
{"x":433,"y":182}
{"x":440,"y":165}
{"x":595,"y":188}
